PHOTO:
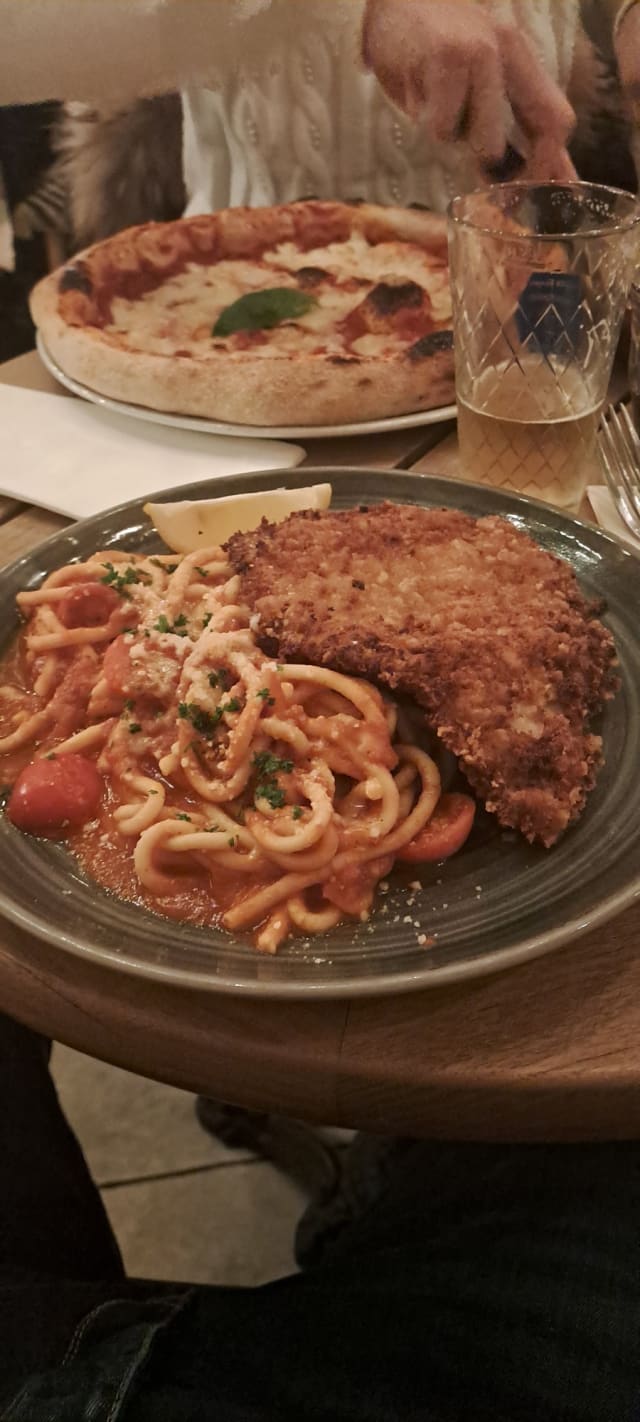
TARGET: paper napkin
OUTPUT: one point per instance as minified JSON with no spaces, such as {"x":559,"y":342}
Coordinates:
{"x":608,"y":517}
{"x":76,"y":459}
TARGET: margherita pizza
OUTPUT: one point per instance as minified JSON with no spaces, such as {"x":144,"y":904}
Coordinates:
{"x":307,"y":313}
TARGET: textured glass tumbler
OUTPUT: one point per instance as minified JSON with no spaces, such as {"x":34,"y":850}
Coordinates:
{"x":540,"y":275}
{"x":634,"y":350}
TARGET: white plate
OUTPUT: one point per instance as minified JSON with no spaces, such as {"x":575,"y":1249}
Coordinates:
{"x":221,"y":427}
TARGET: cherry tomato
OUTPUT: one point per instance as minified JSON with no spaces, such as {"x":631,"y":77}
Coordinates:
{"x":116,"y":667}
{"x":55,"y":794}
{"x":444,"y":833}
{"x":88,"y":605}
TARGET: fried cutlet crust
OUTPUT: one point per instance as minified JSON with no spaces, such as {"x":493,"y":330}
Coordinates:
{"x":486,"y":631}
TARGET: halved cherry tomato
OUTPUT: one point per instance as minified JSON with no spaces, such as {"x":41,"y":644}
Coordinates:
{"x":57,"y":794}
{"x":88,"y":605}
{"x":116,"y":667}
{"x":444,"y":833}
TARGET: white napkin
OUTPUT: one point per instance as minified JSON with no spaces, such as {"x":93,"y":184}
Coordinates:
{"x":608,"y":517}
{"x":76,"y":459}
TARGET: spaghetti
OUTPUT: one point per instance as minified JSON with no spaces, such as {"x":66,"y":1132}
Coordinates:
{"x":283,"y":792}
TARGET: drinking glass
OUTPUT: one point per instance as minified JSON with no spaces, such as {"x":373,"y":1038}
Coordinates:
{"x":634,"y":350}
{"x":540,"y":274}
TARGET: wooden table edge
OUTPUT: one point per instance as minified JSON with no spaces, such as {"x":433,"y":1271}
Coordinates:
{"x":519,"y":1072}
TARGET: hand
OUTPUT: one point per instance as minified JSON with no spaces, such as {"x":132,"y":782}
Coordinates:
{"x":452,"y":65}
{"x":628,"y":57}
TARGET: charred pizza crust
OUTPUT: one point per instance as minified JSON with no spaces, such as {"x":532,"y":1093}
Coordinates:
{"x":404,"y":364}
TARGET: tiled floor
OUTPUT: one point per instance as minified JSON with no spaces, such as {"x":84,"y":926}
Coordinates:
{"x":182,"y":1205}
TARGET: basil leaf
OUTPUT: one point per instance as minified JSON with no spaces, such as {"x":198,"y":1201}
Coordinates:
{"x":261,"y":310}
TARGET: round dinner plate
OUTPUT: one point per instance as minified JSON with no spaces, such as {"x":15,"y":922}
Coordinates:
{"x":496,"y":903}
{"x":221,"y":427}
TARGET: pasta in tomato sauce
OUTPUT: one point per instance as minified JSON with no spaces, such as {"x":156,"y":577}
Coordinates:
{"x":271,"y":798}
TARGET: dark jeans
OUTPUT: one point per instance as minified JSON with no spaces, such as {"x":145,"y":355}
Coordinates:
{"x":490,"y":1284}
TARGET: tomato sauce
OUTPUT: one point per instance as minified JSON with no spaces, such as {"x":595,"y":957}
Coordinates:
{"x":103,"y":853}
{"x":107,"y":857}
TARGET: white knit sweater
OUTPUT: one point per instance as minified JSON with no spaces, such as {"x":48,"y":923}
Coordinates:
{"x":289,"y":112}
{"x":276,"y":104}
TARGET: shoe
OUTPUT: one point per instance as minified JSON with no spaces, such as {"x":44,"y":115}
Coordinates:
{"x":295,"y":1149}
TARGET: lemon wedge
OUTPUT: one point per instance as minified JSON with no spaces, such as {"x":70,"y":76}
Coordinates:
{"x":204,"y":523}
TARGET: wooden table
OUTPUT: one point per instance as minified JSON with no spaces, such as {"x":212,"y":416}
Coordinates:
{"x":549,"y":1051}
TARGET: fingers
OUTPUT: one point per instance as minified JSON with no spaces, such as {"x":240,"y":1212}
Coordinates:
{"x":397,"y":88}
{"x":627,"y":46}
{"x":466,"y":77}
{"x":446,"y":96}
{"x":538,"y":104}
{"x":366,"y":46}
{"x":385,"y":50}
{"x":549,"y":162}
{"x":488,"y":112}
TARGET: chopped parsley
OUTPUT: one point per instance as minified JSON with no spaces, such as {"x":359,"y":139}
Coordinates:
{"x":165,"y":567}
{"x":202,"y":721}
{"x":221,"y":678}
{"x":263,"y":695}
{"x":206,"y":619}
{"x":212,"y":829}
{"x":231,"y":843}
{"x":296,"y":813}
{"x":270,"y":791}
{"x":51,"y":756}
{"x":121,"y":581}
{"x":134,"y":727}
{"x":268,"y":764}
{"x":206,"y":722}
{"x":178,"y":627}
{"x":182,"y":816}
{"x":202,"y":572}
{"x":268,"y":767}
{"x":127,"y":705}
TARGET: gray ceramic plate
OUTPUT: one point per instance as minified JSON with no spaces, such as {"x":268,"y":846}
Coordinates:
{"x":497,"y":903}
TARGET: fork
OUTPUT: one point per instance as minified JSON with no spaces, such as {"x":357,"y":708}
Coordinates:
{"x":620,"y":458}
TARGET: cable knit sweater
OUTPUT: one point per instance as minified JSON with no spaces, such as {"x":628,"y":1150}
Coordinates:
{"x":288,"y":111}
{"x":276,"y":102}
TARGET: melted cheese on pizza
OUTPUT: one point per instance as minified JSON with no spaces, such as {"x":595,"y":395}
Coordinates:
{"x":357,"y":257}
{"x":178,"y":316}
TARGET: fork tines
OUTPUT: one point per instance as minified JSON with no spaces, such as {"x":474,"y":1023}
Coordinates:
{"x":620,"y":455}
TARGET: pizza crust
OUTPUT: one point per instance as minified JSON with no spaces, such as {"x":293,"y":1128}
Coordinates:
{"x":272,"y":388}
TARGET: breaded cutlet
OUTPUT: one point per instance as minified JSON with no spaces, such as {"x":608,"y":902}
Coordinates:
{"x":486,"y":631}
